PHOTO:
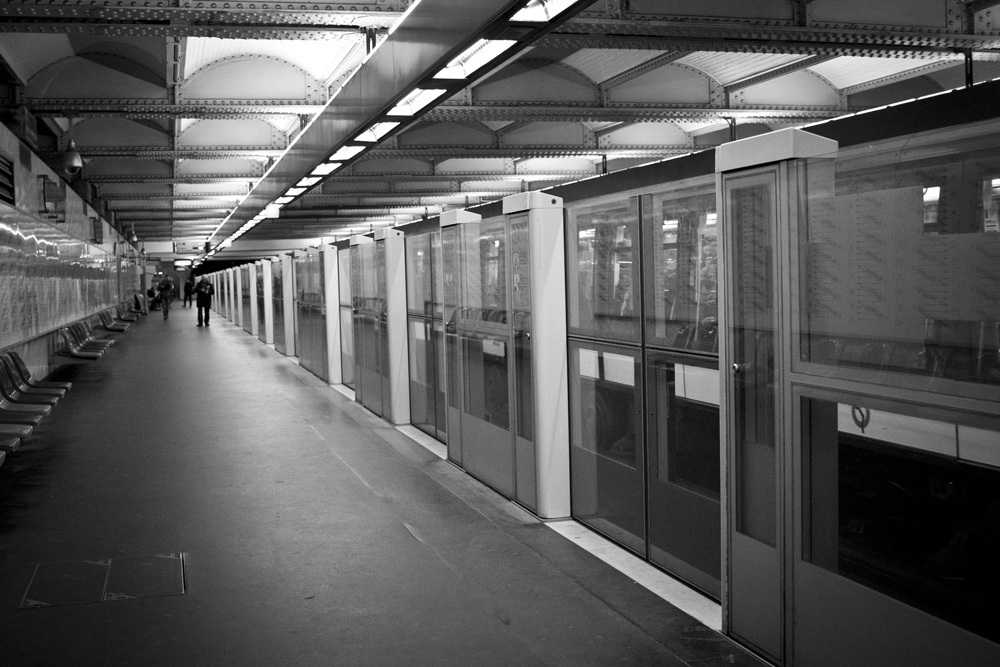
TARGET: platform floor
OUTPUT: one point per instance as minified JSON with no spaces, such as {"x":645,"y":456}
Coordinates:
{"x":199,"y":499}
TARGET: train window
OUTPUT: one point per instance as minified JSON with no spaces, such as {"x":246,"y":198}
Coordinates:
{"x":682,"y":241}
{"x":602,"y":268}
{"x":907,"y":506}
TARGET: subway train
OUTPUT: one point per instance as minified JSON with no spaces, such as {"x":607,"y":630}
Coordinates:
{"x":771,"y":369}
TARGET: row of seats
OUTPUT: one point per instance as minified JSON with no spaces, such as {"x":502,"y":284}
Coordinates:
{"x":25,"y":401}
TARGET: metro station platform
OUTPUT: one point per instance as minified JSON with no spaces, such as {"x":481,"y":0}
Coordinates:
{"x":198,"y":499}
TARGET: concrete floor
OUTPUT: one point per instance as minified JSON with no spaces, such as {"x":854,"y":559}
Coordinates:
{"x":313,"y":533}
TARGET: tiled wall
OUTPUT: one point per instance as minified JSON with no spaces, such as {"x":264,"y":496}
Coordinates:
{"x":52,"y":272}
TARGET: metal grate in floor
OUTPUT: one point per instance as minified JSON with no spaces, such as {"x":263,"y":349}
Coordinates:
{"x":86,"y":582}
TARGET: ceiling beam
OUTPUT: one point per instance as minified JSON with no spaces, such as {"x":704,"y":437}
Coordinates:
{"x":155,"y":110}
{"x":691,"y":34}
{"x":624,"y":114}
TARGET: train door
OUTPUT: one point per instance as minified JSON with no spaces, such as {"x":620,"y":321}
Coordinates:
{"x":642,"y":297}
{"x":503,"y":277}
{"x":370,"y":351}
{"x":425,"y":328}
{"x":378,"y":282}
{"x":278,"y":306}
{"x":311,"y":313}
{"x":263,"y":287}
{"x":346,"y":317}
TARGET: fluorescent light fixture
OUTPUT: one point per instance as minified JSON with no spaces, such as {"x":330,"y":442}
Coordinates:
{"x":309,"y":181}
{"x":225,"y":244}
{"x":272,"y":211}
{"x":346,"y":153}
{"x":475,"y":57}
{"x":376,"y":132}
{"x":294,"y":192}
{"x":325,"y":169}
{"x":283,"y":200}
{"x":416,"y":101}
{"x":542,"y":11}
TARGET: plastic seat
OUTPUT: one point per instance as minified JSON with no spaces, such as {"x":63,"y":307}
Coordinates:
{"x":25,"y":374}
{"x":23,"y":386}
{"x":9,"y":390}
{"x":72,"y":349}
{"x":30,"y":415}
{"x":19,"y":432}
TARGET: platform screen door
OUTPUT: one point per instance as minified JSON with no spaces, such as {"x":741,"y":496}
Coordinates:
{"x":751,"y":209}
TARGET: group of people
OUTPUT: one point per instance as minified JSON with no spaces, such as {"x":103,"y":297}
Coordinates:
{"x":202,"y":291}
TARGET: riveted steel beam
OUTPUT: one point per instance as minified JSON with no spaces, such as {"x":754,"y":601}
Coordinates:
{"x":667,"y":113}
{"x":526,"y":152}
{"x":151,"y":109}
{"x":201,"y":179}
{"x":235,"y":21}
{"x":692,"y":35}
{"x":448,"y":177}
{"x":189,"y":153}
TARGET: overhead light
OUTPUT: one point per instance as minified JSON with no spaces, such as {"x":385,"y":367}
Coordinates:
{"x":475,"y":57}
{"x":225,"y":244}
{"x":309,"y":181}
{"x":346,"y":153}
{"x":542,"y":11}
{"x":325,"y":169}
{"x":272,"y":211}
{"x":294,"y":192}
{"x":416,"y":101}
{"x":281,"y":201}
{"x":376,"y":132}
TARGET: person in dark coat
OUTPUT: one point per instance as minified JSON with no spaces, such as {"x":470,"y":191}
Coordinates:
{"x":188,"y":291}
{"x":204,"y":291}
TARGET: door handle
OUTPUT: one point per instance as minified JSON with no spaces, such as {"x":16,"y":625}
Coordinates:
{"x":739,"y":368}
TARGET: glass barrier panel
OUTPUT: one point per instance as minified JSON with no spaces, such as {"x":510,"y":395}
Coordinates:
{"x":422,"y":394}
{"x":344,"y":269}
{"x":906,"y":506}
{"x":602,"y":270}
{"x":681,"y":241}
{"x":419,"y":278}
{"x":347,"y":345}
{"x":899,"y":262}
{"x":606,"y":441}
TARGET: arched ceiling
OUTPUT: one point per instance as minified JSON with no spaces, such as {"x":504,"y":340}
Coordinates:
{"x":182,"y":108}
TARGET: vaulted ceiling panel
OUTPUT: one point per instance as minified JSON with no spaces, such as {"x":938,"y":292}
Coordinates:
{"x":118,"y":132}
{"x":537,"y":81}
{"x":397,"y":166}
{"x":235,"y":168}
{"x":674,"y":84}
{"x":547,"y":134}
{"x":247,"y":132}
{"x":727,"y":68}
{"x":252,"y":77}
{"x":646,"y":134}
{"x":446,"y":134}
{"x":319,"y":58}
{"x":95,"y":77}
{"x":798,"y":88}
{"x":602,"y":64}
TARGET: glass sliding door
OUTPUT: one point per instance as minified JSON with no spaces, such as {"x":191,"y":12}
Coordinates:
{"x":424,"y":334}
{"x":755,"y":600}
{"x":346,"y":316}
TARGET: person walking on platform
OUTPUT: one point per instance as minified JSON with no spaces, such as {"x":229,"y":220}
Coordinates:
{"x":166,"y":290}
{"x":188,"y":291}
{"x":203,"y":299}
